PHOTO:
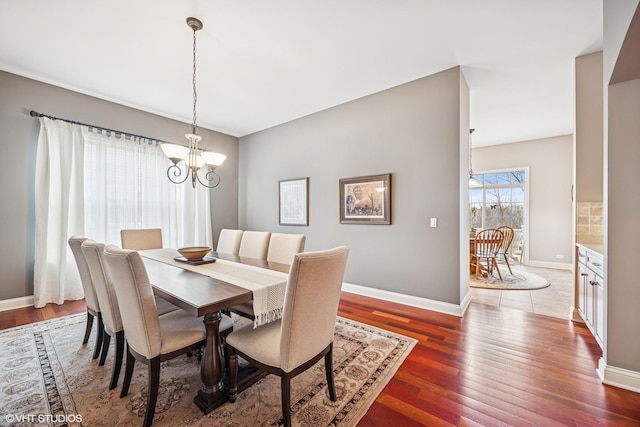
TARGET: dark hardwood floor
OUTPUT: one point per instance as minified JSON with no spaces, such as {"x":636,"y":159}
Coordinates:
{"x":493,"y":367}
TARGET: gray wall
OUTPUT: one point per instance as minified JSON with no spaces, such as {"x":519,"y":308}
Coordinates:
{"x":550,"y":162}
{"x":622,"y":199}
{"x":589,"y":128}
{"x":18,"y":142}
{"x":411,"y":131}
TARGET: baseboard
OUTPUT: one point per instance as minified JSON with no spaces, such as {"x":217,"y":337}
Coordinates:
{"x":465,"y":302}
{"x":548,"y":264}
{"x":575,"y":315}
{"x":427,"y":304}
{"x":618,"y":377}
{"x":13,"y":303}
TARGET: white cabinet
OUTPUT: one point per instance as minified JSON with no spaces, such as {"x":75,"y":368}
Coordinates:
{"x":591,"y":288}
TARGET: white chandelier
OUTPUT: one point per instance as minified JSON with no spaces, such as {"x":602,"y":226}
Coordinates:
{"x":192,"y":158}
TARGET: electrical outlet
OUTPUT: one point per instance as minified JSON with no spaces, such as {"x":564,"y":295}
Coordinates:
{"x":434,"y":222}
{"x":559,"y":256}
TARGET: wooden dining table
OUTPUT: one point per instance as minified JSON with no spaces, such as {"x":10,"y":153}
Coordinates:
{"x":205,"y":297}
{"x":472,"y":252}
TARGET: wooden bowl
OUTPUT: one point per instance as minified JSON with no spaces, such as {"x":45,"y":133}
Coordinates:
{"x":194,"y":252}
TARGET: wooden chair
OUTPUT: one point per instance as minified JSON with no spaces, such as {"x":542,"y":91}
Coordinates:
{"x":506,"y":243}
{"x":254,"y":244}
{"x":141,"y":239}
{"x":229,"y":241}
{"x":487,"y":246}
{"x":151,"y":339}
{"x":93,"y":307}
{"x":304,"y":335}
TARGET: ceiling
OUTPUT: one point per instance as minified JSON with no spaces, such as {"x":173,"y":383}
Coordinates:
{"x":263,"y":63}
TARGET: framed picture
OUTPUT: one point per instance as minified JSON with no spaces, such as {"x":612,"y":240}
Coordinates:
{"x":294,"y":202}
{"x":366,"y":200}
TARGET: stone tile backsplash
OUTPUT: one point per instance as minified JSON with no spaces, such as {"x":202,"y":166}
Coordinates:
{"x":589,"y":223}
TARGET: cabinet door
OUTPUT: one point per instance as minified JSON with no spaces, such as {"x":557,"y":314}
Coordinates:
{"x":598,"y":296}
{"x":583,"y":287}
{"x":590,"y":300}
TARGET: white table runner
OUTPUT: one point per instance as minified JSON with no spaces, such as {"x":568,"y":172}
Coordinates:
{"x":267,"y":286}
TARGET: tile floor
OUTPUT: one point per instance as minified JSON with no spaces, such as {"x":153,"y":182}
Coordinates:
{"x":555,"y":300}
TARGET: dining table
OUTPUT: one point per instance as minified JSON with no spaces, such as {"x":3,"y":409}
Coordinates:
{"x":474,"y":263}
{"x":208,"y":289}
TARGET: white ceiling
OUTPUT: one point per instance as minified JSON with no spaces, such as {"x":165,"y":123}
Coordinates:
{"x":262,"y":63}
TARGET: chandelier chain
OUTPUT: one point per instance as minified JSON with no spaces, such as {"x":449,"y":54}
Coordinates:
{"x":195,"y":94}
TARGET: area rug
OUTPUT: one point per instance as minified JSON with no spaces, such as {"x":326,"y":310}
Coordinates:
{"x":519,"y":280}
{"x":47,"y":377}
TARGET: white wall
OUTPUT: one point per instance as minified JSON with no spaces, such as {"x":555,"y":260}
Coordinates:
{"x":411,"y":131}
{"x":550,"y":163}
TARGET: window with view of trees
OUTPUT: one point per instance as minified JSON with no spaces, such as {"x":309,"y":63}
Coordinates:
{"x":499,"y":201}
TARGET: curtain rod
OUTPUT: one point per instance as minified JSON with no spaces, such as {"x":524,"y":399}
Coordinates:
{"x":127,"y":134}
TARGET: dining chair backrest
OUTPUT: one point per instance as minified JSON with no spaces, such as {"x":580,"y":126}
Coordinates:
{"x":138,"y":307}
{"x":283,"y":246}
{"x":75,"y":243}
{"x":508,"y":234}
{"x":311,"y":305}
{"x":94,"y":254}
{"x":254,"y":244}
{"x":488,"y":242}
{"x":229,"y":241}
{"x":141,"y":238}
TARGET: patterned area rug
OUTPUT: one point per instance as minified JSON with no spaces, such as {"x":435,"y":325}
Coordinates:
{"x":47,"y":377}
{"x":519,"y":280}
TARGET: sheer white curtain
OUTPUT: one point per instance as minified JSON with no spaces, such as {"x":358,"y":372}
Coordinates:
{"x":126,"y":186}
{"x":119,"y":183}
{"x":59,"y":211}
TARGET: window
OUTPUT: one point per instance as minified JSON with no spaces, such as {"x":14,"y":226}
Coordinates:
{"x":499,"y":201}
{"x":126,"y":186}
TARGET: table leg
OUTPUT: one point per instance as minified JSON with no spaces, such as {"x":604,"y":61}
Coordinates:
{"x":211,"y":394}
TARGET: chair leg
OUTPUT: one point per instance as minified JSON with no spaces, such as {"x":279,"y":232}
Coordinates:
{"x":96,"y":351}
{"x":495,"y":263}
{"x":87,"y":331}
{"x":328,"y":368}
{"x":506,"y":259}
{"x":117,"y":364}
{"x":154,"y":385}
{"x":128,"y":373}
{"x":233,"y":373}
{"x":106,"y":340}
{"x":285,"y":390}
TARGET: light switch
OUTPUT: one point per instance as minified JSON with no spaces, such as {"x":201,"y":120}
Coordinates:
{"x":434,"y":222}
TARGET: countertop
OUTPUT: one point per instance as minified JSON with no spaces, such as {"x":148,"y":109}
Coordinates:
{"x":599,"y":249}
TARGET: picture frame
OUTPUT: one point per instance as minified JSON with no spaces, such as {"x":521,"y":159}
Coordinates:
{"x":366,"y":200}
{"x":293,"y":202}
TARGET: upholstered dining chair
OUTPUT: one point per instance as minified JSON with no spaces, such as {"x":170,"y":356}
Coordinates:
{"x":254,"y":244}
{"x":508,"y":234}
{"x":141,"y":238}
{"x":487,"y":247}
{"x":283,"y":246}
{"x":93,"y":307}
{"x":94,"y":254}
{"x":229,"y":241}
{"x":304,"y":335}
{"x":151,"y":339}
